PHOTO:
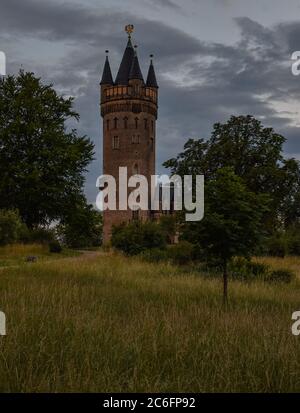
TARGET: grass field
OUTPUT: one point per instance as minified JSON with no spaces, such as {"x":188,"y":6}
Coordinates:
{"x":12,"y":255}
{"x":105,"y":323}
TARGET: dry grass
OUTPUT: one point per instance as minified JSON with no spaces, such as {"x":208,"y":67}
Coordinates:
{"x":20,"y":250}
{"x":15,"y":254}
{"x":290,"y":262}
{"x":111,"y":324}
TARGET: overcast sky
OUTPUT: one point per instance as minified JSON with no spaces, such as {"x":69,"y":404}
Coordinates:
{"x":213,"y":59}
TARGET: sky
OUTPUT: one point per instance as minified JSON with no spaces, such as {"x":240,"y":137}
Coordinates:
{"x":213,"y":59}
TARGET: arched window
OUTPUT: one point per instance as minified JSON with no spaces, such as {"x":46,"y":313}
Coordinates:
{"x":107,"y":124}
{"x":116,"y":123}
{"x":136,"y":123}
{"x":152,"y":126}
{"x":125,"y":122}
{"x":146,"y":123}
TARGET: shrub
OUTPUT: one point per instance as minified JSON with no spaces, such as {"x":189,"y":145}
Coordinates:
{"x":281,"y":275}
{"x":294,"y":245}
{"x":10,"y":225}
{"x":136,"y":237}
{"x":277,"y":246}
{"x":241,"y":268}
{"x":155,"y":255}
{"x":181,"y":253}
{"x":39,"y":236}
{"x":55,"y":247}
{"x":82,"y":228}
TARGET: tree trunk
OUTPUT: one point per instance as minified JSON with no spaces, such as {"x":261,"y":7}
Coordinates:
{"x":225,"y":284}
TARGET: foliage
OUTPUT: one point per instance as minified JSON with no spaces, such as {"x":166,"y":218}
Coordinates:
{"x":55,"y":247}
{"x":281,"y":275}
{"x":244,"y":269}
{"x":277,"y":246}
{"x":168,"y":227}
{"x":42,"y":163}
{"x":255,"y":155}
{"x":136,"y":237}
{"x":37,"y":235}
{"x":82,"y":228}
{"x":10,"y":226}
{"x":155,"y":255}
{"x":181,"y":253}
{"x":232,"y":224}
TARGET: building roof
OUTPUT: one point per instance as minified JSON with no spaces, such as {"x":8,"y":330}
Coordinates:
{"x":151,"y":78}
{"x":125,"y":66}
{"x":107,"y":78}
{"x":135,"y":70}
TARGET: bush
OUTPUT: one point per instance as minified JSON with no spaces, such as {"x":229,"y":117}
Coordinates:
{"x":136,"y":237}
{"x":281,"y":275}
{"x":181,"y":253}
{"x":155,"y":255}
{"x":37,"y":236}
{"x":55,"y":247}
{"x":277,"y":246}
{"x":10,"y":225}
{"x":82,"y":228}
{"x":294,"y":245}
{"x":241,"y":268}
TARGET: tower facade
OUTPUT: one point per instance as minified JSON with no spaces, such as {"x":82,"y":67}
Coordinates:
{"x":129,"y":112}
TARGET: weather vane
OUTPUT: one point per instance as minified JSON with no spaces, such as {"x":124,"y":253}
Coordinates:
{"x":129,"y":29}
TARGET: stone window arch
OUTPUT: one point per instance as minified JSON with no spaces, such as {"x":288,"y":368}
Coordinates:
{"x":125,"y":122}
{"x":116,"y":123}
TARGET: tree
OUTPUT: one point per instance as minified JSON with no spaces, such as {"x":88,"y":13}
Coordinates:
{"x":42,"y":163}
{"x":255,"y":154}
{"x":232,"y":224}
{"x":10,"y":226}
{"x":82,"y":228}
{"x":136,"y":237}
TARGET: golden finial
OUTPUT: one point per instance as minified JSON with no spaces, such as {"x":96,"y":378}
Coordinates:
{"x":129,"y":29}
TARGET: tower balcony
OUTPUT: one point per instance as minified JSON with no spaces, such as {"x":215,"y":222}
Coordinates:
{"x":129,"y":92}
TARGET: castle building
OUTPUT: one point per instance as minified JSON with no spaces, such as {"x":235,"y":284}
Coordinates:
{"x":129,"y":112}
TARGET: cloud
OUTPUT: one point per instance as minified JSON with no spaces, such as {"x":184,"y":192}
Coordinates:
{"x":200,"y":82}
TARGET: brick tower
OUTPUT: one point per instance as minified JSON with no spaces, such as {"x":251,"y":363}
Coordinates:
{"x":129,"y":112}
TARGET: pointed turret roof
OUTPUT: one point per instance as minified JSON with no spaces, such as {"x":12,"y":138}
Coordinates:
{"x":107,"y":78}
{"x":135,"y":70}
{"x":151,"y":78}
{"x":125,"y":66}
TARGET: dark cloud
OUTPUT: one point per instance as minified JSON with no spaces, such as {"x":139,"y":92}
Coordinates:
{"x":200,"y":82}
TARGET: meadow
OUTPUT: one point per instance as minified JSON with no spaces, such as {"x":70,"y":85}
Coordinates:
{"x":100,"y":322}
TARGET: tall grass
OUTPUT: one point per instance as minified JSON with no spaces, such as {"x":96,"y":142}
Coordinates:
{"x":113,"y":324}
{"x":19,"y":250}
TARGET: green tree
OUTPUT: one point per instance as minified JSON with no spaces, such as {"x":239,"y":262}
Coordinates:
{"x":232,"y":224}
{"x":10,"y":226}
{"x":136,"y":237}
{"x":82,"y":228}
{"x":255,"y":154}
{"x":42,"y":163}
